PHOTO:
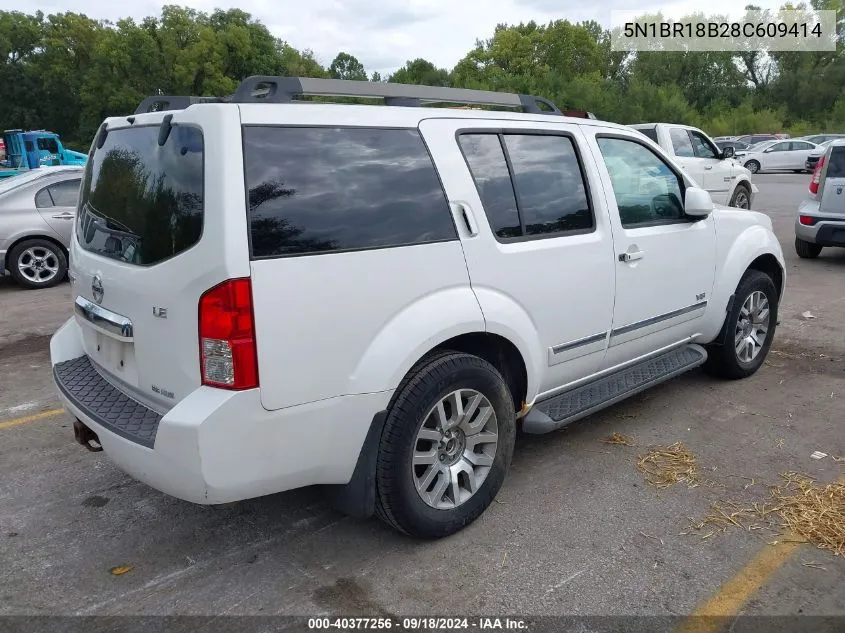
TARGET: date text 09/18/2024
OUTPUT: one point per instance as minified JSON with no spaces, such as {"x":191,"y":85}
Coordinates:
{"x":417,"y":623}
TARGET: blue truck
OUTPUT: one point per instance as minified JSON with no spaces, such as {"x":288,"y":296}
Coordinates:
{"x":34,"y":149}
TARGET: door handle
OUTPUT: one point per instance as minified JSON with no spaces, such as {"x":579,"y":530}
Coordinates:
{"x":708,"y":167}
{"x":63,"y":216}
{"x":464,"y":214}
{"x":630,"y":257}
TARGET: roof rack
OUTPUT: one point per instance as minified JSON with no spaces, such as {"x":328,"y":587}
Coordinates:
{"x":269,"y":89}
{"x":160,"y":103}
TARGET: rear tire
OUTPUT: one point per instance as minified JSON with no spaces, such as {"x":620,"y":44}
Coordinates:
{"x":37,"y":263}
{"x":807,"y":250}
{"x":415,"y":488}
{"x":741,"y":198}
{"x":753,"y":166}
{"x":749,"y":329}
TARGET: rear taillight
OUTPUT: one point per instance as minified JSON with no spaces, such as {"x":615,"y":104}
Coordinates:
{"x":228,"y":357}
{"x":806,"y":220}
{"x":817,"y":176}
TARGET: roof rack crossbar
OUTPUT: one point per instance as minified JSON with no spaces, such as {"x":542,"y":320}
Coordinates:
{"x":159,"y":103}
{"x":269,"y":89}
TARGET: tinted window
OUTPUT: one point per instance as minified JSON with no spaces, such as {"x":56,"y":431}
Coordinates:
{"x":647,"y":191}
{"x":315,"y":190}
{"x":780,"y":147}
{"x":549,"y":184}
{"x":649,"y":132}
{"x":681,"y":142}
{"x":48,"y":144}
{"x":702,"y":146}
{"x":43,"y":199}
{"x":800,"y":145}
{"x":66,"y":193}
{"x":489,"y":169}
{"x":142,"y":203}
{"x":836,"y":166}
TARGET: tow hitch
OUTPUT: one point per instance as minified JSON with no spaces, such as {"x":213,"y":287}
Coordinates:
{"x":86,"y":437}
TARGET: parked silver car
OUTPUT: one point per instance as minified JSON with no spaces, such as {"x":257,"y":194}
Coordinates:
{"x":820,"y":220}
{"x":37,"y":211}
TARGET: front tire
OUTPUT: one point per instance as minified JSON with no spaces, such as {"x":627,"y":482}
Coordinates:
{"x":753,"y":166}
{"x":749,"y":329}
{"x":741,"y":198}
{"x":37,"y":263}
{"x":807,"y":250}
{"x":446,"y":446}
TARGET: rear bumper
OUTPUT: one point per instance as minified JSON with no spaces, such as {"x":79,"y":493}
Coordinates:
{"x":823,"y":233}
{"x":215,"y":446}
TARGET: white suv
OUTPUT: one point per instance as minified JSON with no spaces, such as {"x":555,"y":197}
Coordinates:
{"x":271,"y":294}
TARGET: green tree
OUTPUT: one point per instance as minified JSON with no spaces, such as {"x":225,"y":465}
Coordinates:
{"x":422,"y":72}
{"x":346,"y":66}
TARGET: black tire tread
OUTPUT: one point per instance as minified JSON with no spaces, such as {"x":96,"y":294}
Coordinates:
{"x":431,"y":368}
{"x":721,"y":358}
{"x":807,"y":250}
{"x":22,"y":281}
{"x":741,"y":185}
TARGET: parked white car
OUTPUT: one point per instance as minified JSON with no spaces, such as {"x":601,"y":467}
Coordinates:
{"x":271,"y":295}
{"x":709,"y":166}
{"x":778,"y":155}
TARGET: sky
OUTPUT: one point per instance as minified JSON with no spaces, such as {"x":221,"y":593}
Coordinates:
{"x":384,"y":34}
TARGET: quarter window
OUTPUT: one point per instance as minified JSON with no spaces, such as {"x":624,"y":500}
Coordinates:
{"x":646,"y":189}
{"x":43,"y":199}
{"x":65,"y":193}
{"x":319,"y":190}
{"x":529,"y":184}
{"x":490,"y":170}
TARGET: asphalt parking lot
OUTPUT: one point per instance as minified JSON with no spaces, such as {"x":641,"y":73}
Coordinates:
{"x":575,"y":529}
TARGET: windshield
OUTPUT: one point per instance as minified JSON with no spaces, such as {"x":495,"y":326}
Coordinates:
{"x":143,"y":203}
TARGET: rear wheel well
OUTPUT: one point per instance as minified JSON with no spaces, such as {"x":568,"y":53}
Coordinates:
{"x":499,"y":352}
{"x":32,"y":237}
{"x":770,"y":266}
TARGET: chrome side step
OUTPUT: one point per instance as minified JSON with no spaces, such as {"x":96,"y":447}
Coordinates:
{"x":569,"y":406}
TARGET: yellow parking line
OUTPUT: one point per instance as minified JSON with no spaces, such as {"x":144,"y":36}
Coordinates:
{"x":733,"y":594}
{"x":728,"y":600}
{"x":8,"y":424}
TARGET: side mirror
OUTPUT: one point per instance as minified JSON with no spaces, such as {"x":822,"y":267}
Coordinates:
{"x":697,"y":202}
{"x":728,"y":152}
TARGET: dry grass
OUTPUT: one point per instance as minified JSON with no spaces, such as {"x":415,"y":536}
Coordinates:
{"x":665,"y":466}
{"x":618,"y":438}
{"x":812,"y":511}
{"x":809,"y":511}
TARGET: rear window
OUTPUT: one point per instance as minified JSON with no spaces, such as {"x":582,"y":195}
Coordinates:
{"x":649,"y":132}
{"x":836,"y":167}
{"x":321,"y":190}
{"x":142,"y":203}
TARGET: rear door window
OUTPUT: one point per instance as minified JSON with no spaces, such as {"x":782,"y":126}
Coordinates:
{"x":143,"y":203}
{"x":531,"y":185}
{"x":681,"y":142}
{"x":321,"y":190}
{"x":489,"y":169}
